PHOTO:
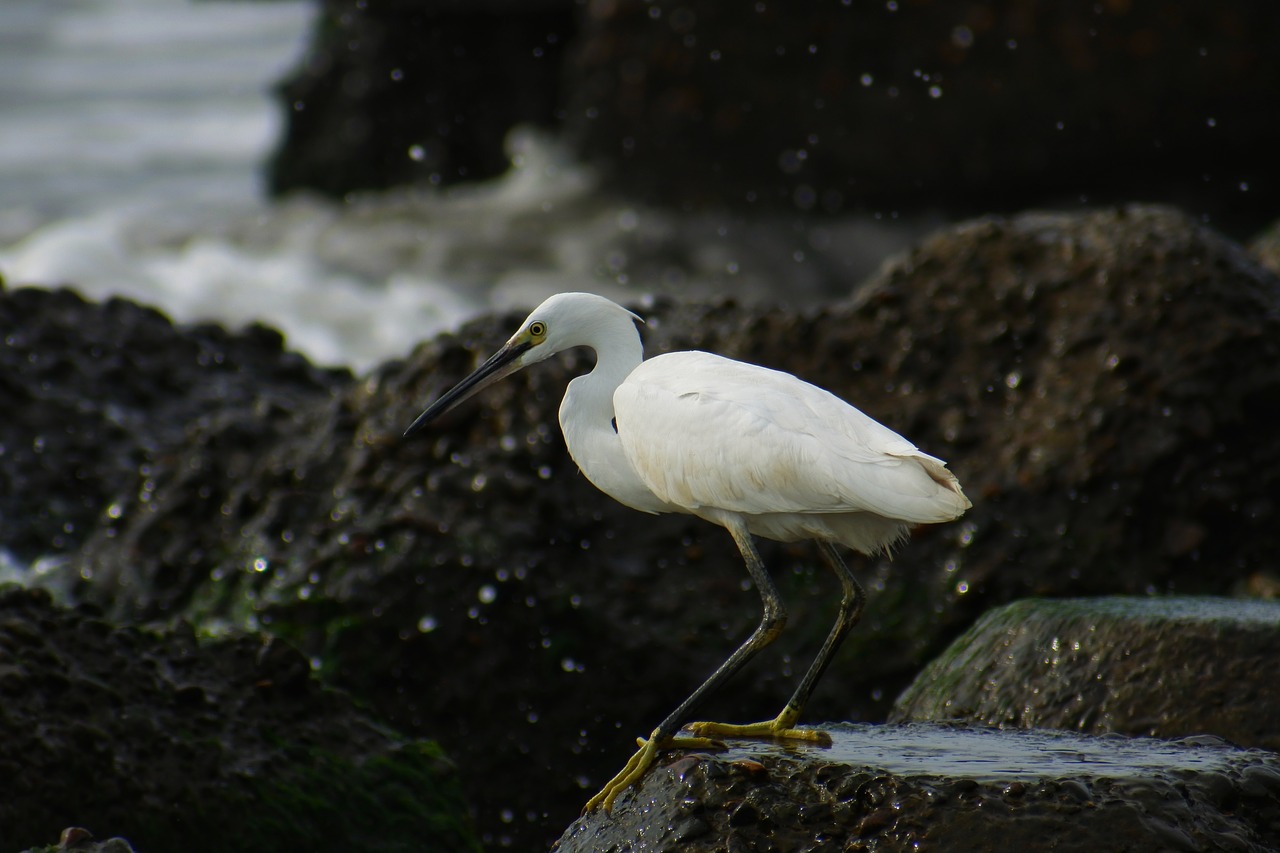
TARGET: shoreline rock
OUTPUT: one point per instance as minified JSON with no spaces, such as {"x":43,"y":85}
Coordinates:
{"x":948,"y":787}
{"x":180,"y":745}
{"x":1164,"y":667}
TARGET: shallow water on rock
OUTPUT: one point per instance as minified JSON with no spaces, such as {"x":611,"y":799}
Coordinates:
{"x":995,"y":755}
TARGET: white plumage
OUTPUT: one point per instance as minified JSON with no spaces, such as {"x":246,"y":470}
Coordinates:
{"x":706,"y":432}
{"x":754,"y":450}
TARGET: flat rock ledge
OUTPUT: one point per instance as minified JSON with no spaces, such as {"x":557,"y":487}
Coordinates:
{"x":934,"y":786}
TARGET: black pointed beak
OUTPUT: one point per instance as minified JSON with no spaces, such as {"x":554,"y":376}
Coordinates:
{"x":500,"y":365}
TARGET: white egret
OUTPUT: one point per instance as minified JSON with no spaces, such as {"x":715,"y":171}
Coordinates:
{"x":756,"y":451}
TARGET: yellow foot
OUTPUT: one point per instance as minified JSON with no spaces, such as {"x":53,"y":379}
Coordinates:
{"x":782,"y":728}
{"x":640,"y":764}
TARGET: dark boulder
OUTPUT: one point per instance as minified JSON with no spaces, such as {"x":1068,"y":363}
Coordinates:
{"x":95,"y":394}
{"x":812,"y":107}
{"x":1167,"y":667}
{"x":966,"y":106}
{"x":181,"y":745}
{"x":393,"y":93}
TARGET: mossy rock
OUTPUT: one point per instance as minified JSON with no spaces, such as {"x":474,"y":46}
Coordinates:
{"x":1166,"y":666}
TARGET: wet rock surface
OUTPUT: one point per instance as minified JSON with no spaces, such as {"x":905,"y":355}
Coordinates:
{"x":95,"y":393}
{"x":177,"y":745}
{"x":949,"y":788}
{"x":1100,"y":384}
{"x":1164,"y":666}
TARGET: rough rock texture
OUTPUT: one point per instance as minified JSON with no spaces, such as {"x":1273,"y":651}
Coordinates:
{"x":181,"y":746}
{"x":1099,"y":383}
{"x":940,"y":788}
{"x":1166,"y":667}
{"x":94,"y":393}
{"x":394,"y":93}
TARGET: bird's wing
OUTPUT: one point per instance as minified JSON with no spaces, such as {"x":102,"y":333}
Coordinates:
{"x":705,"y":431}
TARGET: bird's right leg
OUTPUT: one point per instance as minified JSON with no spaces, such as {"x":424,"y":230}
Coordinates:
{"x":783,"y":726}
{"x":664,"y":736}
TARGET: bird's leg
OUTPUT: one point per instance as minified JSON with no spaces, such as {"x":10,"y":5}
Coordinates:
{"x":664,"y":736}
{"x":783,"y":726}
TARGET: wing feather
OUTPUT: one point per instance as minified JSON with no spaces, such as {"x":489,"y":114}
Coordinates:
{"x":705,"y":431}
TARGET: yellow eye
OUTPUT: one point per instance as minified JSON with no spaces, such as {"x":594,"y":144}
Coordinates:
{"x":538,"y":331}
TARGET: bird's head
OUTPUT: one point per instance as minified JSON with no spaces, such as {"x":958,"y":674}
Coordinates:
{"x":562,"y":322}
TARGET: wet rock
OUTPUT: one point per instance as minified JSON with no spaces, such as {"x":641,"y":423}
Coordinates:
{"x":1166,"y":667}
{"x":1099,"y":383}
{"x":178,"y":745}
{"x":400,"y":93}
{"x":95,"y":393}
{"x":948,"y":788}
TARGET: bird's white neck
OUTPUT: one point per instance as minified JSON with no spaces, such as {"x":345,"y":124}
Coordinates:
{"x":587,"y":416}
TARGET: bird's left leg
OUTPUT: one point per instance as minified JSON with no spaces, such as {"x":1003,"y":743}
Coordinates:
{"x":783,"y":726}
{"x":664,"y":736}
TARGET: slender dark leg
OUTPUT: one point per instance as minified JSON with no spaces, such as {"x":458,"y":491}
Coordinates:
{"x":771,"y":625}
{"x":851,"y":600}
{"x":783,"y":726}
